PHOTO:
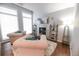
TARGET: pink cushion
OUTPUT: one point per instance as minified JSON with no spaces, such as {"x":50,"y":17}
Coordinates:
{"x":38,"y":44}
{"x":30,"y":47}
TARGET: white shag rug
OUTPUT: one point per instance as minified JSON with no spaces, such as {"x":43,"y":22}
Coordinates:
{"x":51,"y":48}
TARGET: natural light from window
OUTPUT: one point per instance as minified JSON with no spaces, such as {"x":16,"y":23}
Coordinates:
{"x":8,"y":22}
{"x":7,"y":10}
{"x":68,"y":20}
{"x":27,"y":22}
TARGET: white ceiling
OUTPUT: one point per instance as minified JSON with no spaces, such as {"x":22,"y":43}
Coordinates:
{"x":45,"y":8}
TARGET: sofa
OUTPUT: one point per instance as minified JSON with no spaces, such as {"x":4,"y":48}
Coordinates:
{"x":15,"y":35}
{"x":22,"y":47}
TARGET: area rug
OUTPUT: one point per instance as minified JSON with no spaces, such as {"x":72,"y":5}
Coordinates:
{"x":51,"y":48}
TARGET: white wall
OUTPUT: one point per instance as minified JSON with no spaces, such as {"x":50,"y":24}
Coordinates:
{"x":75,"y":34}
{"x":58,"y":16}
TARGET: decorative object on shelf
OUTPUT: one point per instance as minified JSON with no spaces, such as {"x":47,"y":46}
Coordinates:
{"x":22,"y":32}
{"x":34,"y":30}
{"x":33,"y":37}
{"x":41,"y":21}
{"x":48,"y":20}
{"x":30,"y":38}
{"x":18,"y":32}
{"x":53,"y":34}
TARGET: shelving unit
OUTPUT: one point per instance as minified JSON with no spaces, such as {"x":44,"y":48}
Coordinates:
{"x":34,"y":29}
{"x":53,"y":32}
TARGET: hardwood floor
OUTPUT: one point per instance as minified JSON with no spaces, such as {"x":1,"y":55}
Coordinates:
{"x":61,"y":50}
{"x":6,"y":49}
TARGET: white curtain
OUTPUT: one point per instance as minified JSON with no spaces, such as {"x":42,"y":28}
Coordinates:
{"x":8,"y":21}
{"x":27,"y":23}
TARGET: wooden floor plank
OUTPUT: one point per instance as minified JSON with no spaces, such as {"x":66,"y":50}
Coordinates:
{"x":61,"y":50}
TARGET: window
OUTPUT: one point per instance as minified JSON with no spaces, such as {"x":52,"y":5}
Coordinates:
{"x":8,"y":21}
{"x":8,"y":11}
{"x":27,"y":23}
